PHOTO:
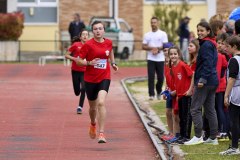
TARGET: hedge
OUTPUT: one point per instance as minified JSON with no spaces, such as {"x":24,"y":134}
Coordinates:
{"x":11,"y":26}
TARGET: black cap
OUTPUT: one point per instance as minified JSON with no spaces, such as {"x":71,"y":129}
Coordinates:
{"x":187,"y":17}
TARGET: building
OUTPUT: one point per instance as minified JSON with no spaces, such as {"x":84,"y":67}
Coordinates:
{"x":46,"y":20}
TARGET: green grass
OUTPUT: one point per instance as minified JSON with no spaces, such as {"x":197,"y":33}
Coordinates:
{"x":136,"y":63}
{"x":195,"y":152}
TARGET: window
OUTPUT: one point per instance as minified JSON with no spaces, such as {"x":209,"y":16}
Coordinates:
{"x":172,"y":1}
{"x":124,"y":27}
{"x":39,"y":11}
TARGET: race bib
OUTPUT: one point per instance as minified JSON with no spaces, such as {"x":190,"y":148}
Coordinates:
{"x":101,"y":64}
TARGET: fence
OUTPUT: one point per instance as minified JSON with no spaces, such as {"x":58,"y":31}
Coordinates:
{"x":32,"y":50}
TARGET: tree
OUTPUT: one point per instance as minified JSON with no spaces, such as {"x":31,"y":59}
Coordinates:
{"x":11,"y":26}
{"x":170,"y":16}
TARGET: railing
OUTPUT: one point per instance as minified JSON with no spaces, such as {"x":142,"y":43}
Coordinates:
{"x":32,"y":50}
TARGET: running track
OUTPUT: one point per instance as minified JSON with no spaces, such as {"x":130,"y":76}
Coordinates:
{"x":38,"y":120}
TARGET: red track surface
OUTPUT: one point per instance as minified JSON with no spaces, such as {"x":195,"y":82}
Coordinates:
{"x":38,"y":118}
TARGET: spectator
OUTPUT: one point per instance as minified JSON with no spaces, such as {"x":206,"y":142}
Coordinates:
{"x":184,"y":35}
{"x":237,"y":27}
{"x":205,"y":85}
{"x":229,"y":27}
{"x":76,"y":26}
{"x":232,"y":94}
{"x":153,"y":43}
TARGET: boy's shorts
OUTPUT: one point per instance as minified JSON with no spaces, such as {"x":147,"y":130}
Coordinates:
{"x":169,"y":103}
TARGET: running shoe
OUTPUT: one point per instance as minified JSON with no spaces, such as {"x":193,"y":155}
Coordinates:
{"x":223,"y":137}
{"x":230,"y":151}
{"x":92,"y":131}
{"x":173,"y":140}
{"x":211,"y":141}
{"x":101,"y":138}
{"x":167,"y":137}
{"x":79,"y":110}
{"x":151,"y":98}
{"x":182,"y":141}
{"x":195,"y":140}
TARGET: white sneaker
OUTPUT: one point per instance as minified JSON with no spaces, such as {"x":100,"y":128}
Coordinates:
{"x":159,"y":96}
{"x":194,"y":141}
{"x":230,"y":151}
{"x":211,"y":141}
{"x":151,"y":98}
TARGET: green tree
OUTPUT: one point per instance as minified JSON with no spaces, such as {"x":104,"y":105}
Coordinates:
{"x":170,"y":17}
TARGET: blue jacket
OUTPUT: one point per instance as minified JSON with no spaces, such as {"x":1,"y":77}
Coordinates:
{"x":206,"y":72}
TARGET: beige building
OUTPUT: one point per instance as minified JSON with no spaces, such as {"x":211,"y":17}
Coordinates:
{"x":46,"y":20}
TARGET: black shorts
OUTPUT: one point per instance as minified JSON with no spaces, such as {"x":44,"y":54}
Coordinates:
{"x":92,"y":89}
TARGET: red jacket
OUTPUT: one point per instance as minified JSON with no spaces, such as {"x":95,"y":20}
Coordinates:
{"x":221,"y":72}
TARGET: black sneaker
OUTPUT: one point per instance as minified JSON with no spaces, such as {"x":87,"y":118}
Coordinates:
{"x":181,"y":141}
{"x":79,"y":110}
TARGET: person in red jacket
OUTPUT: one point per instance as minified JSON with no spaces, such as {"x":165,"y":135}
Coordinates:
{"x":99,"y":56}
{"x":182,"y":77}
{"x":170,"y":96}
{"x":193,"y":48}
{"x":78,"y":71}
{"x":219,"y":98}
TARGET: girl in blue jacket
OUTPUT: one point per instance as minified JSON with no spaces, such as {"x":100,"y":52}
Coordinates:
{"x":205,"y":85}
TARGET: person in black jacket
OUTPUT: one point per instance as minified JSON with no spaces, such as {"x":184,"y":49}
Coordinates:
{"x":205,"y":85}
{"x":76,"y":26}
{"x":184,"y":35}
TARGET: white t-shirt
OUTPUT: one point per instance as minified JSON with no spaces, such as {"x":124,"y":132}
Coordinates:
{"x":155,"y":39}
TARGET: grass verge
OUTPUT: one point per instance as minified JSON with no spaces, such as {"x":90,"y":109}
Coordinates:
{"x":195,"y":152}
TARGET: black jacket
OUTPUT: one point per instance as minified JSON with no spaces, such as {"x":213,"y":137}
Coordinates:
{"x":75,"y":28}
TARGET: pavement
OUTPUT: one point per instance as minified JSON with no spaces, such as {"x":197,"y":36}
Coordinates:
{"x":39,"y":122}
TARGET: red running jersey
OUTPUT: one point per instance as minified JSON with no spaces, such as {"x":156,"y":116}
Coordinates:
{"x":74,"y":49}
{"x":93,"y":49}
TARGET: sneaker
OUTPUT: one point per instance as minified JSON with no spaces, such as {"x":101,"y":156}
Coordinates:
{"x":167,"y":137}
{"x":151,"y":98}
{"x":101,"y":138}
{"x":92,"y":131}
{"x":159,"y":96}
{"x":211,"y":141}
{"x":230,"y":151}
{"x":173,"y":140}
{"x":194,"y":141}
{"x":223,"y":137}
{"x":79,"y":110}
{"x":182,"y":141}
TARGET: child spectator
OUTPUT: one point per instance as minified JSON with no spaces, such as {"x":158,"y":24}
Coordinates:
{"x":182,"y":76}
{"x":169,"y":95}
{"x":232,"y":93}
{"x":219,"y":104}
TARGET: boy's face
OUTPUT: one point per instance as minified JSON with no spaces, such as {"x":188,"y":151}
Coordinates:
{"x":221,"y":46}
{"x":165,"y":51}
{"x":231,"y":49}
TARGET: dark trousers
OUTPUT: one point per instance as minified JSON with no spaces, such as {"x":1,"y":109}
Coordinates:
{"x":234,"y":112}
{"x":219,"y":106}
{"x":223,"y":117}
{"x":79,"y":85}
{"x":205,"y":97}
{"x":158,"y":68}
{"x":185,"y":117}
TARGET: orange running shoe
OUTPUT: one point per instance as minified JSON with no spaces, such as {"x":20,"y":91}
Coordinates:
{"x":92,"y":131}
{"x":101,"y":138}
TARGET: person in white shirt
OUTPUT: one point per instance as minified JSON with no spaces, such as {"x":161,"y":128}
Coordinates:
{"x":153,"y":43}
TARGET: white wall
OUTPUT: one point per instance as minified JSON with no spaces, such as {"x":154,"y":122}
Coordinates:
{"x":11,"y":6}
